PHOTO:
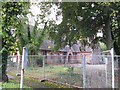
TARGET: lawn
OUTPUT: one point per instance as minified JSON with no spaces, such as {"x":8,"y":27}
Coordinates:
{"x":12,"y":85}
{"x":35,"y":83}
{"x":64,"y":74}
{"x":59,"y":73}
{"x":0,"y":85}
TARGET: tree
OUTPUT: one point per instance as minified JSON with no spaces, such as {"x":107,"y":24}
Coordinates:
{"x":84,"y":19}
{"x":10,"y":12}
{"x":16,"y":31}
{"x":37,"y":36}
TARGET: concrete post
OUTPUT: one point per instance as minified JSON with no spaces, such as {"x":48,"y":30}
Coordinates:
{"x":84,"y":70}
{"x":22,"y":68}
{"x":44,"y":68}
{"x":113,"y":73}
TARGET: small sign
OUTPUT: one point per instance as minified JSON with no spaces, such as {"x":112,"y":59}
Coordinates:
{"x":26,"y":58}
{"x":106,"y":60}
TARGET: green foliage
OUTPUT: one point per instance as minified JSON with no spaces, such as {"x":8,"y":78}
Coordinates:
{"x":15,"y":18}
{"x":70,"y":70}
{"x":39,"y":61}
{"x":84,"y":19}
{"x":13,"y":85}
{"x":37,"y":36}
{"x":10,"y":21}
{"x":103,"y":46}
{"x":10,"y":12}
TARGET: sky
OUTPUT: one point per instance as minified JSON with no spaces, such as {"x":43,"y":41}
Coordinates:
{"x":35,"y":9}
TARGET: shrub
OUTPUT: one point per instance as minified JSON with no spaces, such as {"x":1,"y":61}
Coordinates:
{"x":39,"y":61}
{"x":70,"y":70}
{"x":103,"y":46}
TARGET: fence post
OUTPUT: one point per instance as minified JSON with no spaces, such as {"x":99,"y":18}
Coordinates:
{"x":84,"y":70}
{"x":26,"y":59}
{"x":44,"y":68}
{"x":18,"y":63}
{"x":106,"y":63}
{"x":22,"y":68}
{"x":113,"y":74}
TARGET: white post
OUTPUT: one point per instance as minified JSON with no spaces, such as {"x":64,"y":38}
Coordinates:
{"x":22,"y":68}
{"x":113,"y":74}
{"x":84,"y":70}
{"x":44,"y":68}
{"x":18,"y":63}
{"x":106,"y":63}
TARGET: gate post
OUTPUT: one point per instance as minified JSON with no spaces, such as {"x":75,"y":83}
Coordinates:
{"x":106,"y":63}
{"x":44,"y":68}
{"x":84,"y":70}
{"x":113,"y":73}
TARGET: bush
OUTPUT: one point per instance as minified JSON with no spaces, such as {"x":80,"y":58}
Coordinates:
{"x":39,"y":61}
{"x":70,"y":70}
{"x":103,"y":46}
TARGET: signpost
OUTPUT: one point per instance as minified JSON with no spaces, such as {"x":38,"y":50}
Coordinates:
{"x":26,"y":58}
{"x":18,"y":64}
{"x":22,"y":68}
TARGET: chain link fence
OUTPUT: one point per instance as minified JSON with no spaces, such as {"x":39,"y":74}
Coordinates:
{"x":83,"y":70}
{"x":99,"y":73}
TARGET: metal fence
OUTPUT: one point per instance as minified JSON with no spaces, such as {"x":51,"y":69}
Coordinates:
{"x":88,"y":71}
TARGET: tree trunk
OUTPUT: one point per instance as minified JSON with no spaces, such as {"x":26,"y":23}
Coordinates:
{"x":29,"y":35}
{"x":117,"y":51}
{"x":4,"y":61}
{"x":108,"y":36}
{"x":4,"y":66}
{"x":0,"y":59}
{"x":110,"y":43}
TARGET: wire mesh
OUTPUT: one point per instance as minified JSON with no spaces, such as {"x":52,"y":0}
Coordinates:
{"x":63,"y":69}
{"x":96,"y":76}
{"x":68,"y":69}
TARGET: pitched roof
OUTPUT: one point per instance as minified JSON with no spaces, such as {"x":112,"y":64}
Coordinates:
{"x":74,"y":48}
{"x":47,"y":45}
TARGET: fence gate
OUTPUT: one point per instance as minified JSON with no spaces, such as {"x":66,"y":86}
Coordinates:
{"x":102,"y":72}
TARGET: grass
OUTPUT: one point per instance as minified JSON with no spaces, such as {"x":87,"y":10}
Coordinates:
{"x":28,"y":81}
{"x":58,"y":73}
{"x":35,"y":83}
{"x":12,"y":85}
{"x":0,"y":85}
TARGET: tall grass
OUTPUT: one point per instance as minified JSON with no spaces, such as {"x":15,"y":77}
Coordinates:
{"x":11,"y":85}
